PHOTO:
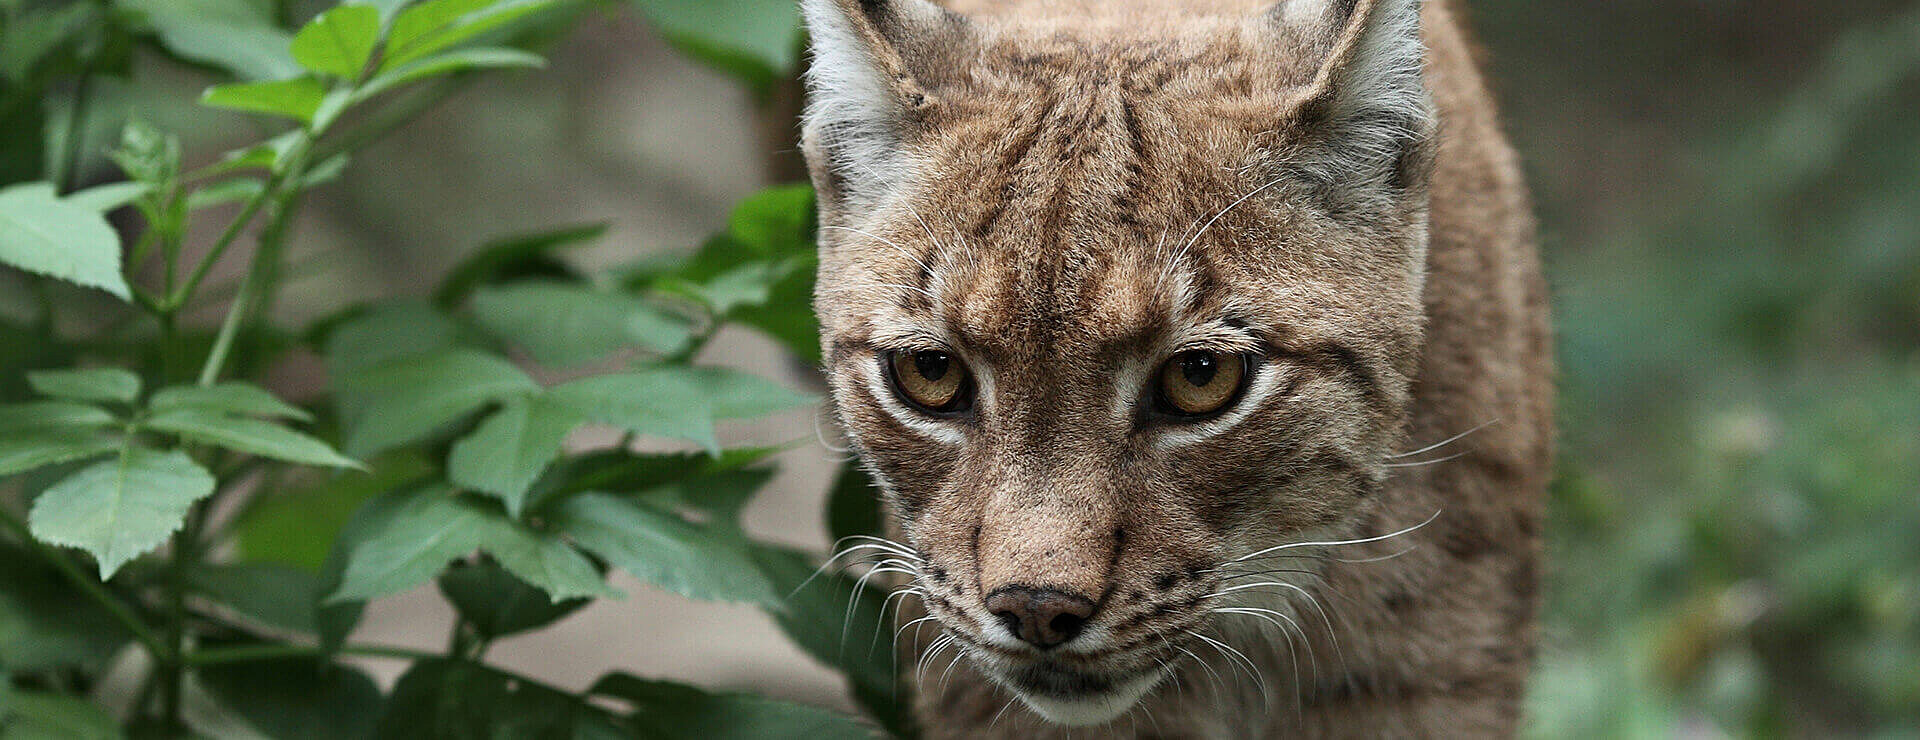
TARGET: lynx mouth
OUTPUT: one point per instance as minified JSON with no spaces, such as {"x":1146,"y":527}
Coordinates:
{"x":1077,"y":698}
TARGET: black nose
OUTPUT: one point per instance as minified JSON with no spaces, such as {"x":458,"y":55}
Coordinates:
{"x":1042,"y":617}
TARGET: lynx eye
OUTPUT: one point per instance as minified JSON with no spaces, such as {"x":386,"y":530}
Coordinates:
{"x":1199,"y":382}
{"x":931,"y":380}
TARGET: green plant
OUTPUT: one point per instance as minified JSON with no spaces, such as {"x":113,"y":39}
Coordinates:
{"x":156,"y":496}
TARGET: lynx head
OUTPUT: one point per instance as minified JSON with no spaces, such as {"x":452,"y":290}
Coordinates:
{"x":1110,"y":300}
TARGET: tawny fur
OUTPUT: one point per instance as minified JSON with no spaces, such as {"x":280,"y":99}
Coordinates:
{"x":1023,"y":184}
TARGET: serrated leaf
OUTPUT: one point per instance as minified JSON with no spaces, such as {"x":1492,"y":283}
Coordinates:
{"x":232,"y":190}
{"x":297,"y":526}
{"x":251,"y":436}
{"x":43,"y":234}
{"x":565,"y":325}
{"x":275,"y":595}
{"x":840,"y":624}
{"x":675,"y":401}
{"x":298,"y":98}
{"x":22,"y":451}
{"x":542,"y":560}
{"x":437,"y":24}
{"x":104,"y":198}
{"x":853,"y":504}
{"x":454,"y":699}
{"x":231,"y":397}
{"x":297,"y":698}
{"x":46,"y":622}
{"x":120,"y":509}
{"x":408,"y":538}
{"x":238,"y":35}
{"x":498,"y":604}
{"x":411,"y":536}
{"x":508,"y":451}
{"x":755,"y":40}
{"x":37,"y":715}
{"x":512,"y":258}
{"x":457,"y":60}
{"x":387,"y":332}
{"x":22,"y":417}
{"x":660,"y":547}
{"x":406,"y":398}
{"x":104,"y":385}
{"x":673,"y":711}
{"x":339,"y":41}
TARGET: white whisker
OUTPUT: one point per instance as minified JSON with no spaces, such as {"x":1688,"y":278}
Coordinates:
{"x":1444,"y":442}
{"x":1337,"y":543}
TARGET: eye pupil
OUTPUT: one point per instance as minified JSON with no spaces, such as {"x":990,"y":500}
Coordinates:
{"x":1199,"y":368}
{"x":931,"y":365}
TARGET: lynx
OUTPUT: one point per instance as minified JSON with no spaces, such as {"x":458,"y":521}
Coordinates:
{"x":1201,"y":352}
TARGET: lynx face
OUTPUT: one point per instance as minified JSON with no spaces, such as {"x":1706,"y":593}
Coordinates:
{"x":1108,"y":307}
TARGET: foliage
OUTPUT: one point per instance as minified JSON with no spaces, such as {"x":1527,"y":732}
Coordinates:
{"x":1739,"y":318}
{"x":175,"y":506}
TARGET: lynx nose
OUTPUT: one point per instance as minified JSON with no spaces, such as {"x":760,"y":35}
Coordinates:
{"x":1043,"y":618}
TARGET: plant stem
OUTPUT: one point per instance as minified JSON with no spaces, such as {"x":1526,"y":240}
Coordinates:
{"x":249,"y":653}
{"x":143,"y":634}
{"x":76,"y":129}
{"x":259,"y":274}
{"x":173,"y":666}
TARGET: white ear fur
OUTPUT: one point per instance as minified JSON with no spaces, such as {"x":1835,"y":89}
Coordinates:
{"x":861,"y":90}
{"x":1370,"y":94}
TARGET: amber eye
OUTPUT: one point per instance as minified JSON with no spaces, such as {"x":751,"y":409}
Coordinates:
{"x":932,"y":380}
{"x":1198,"y":382}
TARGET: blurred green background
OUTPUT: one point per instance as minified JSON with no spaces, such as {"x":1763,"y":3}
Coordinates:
{"x":1729,"y":200}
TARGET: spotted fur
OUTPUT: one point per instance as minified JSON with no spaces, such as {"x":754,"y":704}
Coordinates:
{"x":1063,"y":194}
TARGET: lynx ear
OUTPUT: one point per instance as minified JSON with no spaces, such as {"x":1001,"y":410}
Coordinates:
{"x":1367,"y":104}
{"x":874,"y":65}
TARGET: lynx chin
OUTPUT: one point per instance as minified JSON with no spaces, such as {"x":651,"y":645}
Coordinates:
{"x":1201,"y":351}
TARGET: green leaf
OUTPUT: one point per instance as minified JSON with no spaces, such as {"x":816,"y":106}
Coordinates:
{"x":777,"y":221}
{"x":22,"y":417}
{"x":251,"y":436}
{"x":660,"y":547}
{"x":841,"y":625}
{"x":672,"y":711}
{"x":437,"y":24}
{"x":498,"y":604}
{"x":238,"y":35}
{"x":24,"y":158}
{"x":43,"y":234}
{"x":105,"y":385}
{"x":755,"y":40}
{"x":105,"y":198}
{"x":232,"y":190}
{"x":338,"y":42}
{"x":509,"y":450}
{"x":457,"y":60}
{"x":46,"y":622}
{"x":297,"y":526}
{"x":406,"y":398}
{"x":36,"y":715}
{"x":675,"y":401}
{"x":274,"y":595}
{"x":231,"y":397}
{"x":622,"y":471}
{"x":408,"y":538}
{"x":853,"y":505}
{"x":22,"y":451}
{"x":514,"y":258}
{"x":411,"y":536}
{"x":32,"y":36}
{"x":387,"y":332}
{"x":121,"y":508}
{"x":452,"y":699}
{"x":298,"y":98}
{"x":566,"y":325}
{"x":146,"y":154}
{"x":297,"y":698}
